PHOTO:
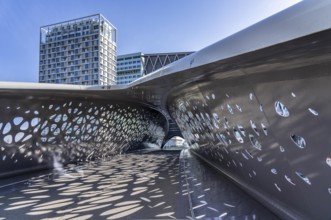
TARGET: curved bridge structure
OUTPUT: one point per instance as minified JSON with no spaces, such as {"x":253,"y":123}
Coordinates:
{"x":255,"y":106}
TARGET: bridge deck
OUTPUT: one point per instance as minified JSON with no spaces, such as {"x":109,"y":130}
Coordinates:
{"x":140,"y":185}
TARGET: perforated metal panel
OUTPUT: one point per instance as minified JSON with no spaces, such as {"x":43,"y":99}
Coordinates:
{"x":255,"y":105}
{"x":36,"y":134}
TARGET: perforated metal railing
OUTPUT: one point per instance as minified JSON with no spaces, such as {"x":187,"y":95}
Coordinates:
{"x":37,"y":134}
{"x":255,"y":106}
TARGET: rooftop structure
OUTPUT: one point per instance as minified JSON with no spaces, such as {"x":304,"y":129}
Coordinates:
{"x":130,"y":67}
{"x":155,"y":61}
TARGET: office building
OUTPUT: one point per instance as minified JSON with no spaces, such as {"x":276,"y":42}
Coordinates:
{"x":129,"y":68}
{"x":132,"y":66}
{"x":80,"y":51}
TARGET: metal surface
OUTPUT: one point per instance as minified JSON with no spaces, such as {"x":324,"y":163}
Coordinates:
{"x":254,"y":105}
{"x":37,"y":133}
{"x":128,"y":186}
{"x":149,"y":185}
{"x":265,"y":124}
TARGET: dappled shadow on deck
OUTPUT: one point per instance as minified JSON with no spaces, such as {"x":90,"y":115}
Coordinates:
{"x":131,"y":185}
{"x":152,"y":185}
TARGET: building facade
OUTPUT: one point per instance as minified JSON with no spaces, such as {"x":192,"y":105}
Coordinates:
{"x":129,"y":68}
{"x":133,"y":66}
{"x":80,"y":51}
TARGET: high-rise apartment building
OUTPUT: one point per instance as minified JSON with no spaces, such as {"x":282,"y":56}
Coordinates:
{"x":80,"y":51}
{"x":132,"y":66}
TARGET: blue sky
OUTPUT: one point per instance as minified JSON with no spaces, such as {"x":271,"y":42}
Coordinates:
{"x":146,"y":26}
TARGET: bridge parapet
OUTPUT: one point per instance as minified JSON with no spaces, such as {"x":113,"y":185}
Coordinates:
{"x":37,"y":133}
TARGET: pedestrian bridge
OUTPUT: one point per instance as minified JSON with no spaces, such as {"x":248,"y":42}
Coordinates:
{"x":254,"y":106}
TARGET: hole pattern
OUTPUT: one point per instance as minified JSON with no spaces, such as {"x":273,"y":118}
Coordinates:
{"x":281,"y":109}
{"x":255,"y":142}
{"x":62,"y":132}
{"x":248,"y":139}
{"x":299,"y":141}
{"x":315,"y":113}
{"x":238,"y":136}
{"x":328,"y":161}
{"x":303,"y":177}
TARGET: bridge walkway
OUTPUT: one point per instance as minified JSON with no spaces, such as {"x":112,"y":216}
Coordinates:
{"x":138,"y":185}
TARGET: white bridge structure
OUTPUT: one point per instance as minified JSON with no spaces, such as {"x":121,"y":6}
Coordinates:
{"x":255,"y":105}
